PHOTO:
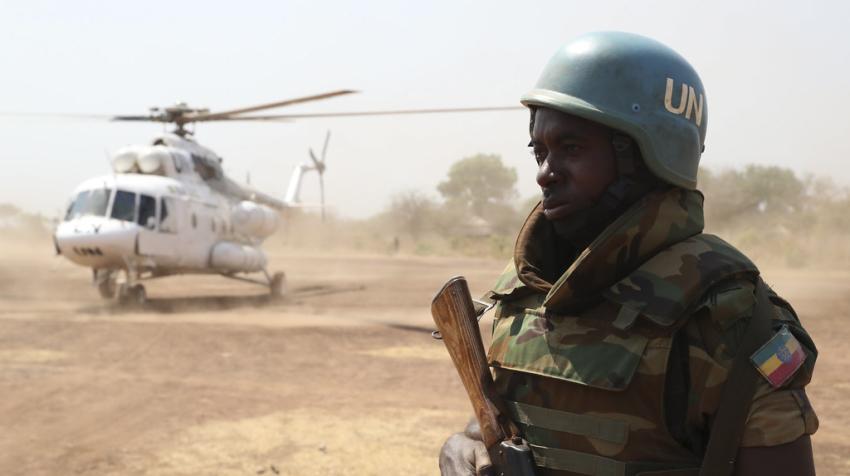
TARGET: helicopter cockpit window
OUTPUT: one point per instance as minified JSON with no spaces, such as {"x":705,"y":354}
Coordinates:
{"x":147,"y":211}
{"x":206,"y":168}
{"x":89,"y":202}
{"x":167,"y":218}
{"x":124,"y":206}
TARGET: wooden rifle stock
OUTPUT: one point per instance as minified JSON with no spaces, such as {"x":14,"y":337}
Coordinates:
{"x":455,"y":316}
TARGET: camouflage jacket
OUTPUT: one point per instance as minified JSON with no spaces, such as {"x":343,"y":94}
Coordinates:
{"x":615,"y":365}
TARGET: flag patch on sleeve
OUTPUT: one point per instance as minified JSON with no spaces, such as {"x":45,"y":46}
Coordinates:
{"x":779,"y":358}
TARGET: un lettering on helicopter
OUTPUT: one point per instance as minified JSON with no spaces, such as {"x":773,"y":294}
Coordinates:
{"x":167,"y":208}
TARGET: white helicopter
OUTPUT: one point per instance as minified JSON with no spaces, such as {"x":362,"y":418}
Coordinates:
{"x":167,"y":208}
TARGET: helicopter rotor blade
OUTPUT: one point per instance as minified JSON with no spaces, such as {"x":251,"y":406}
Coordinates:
{"x":315,"y":160}
{"x":61,"y":115}
{"x":322,"y":193}
{"x":225,"y":115}
{"x":321,"y":170}
{"x":325,"y":147}
{"x":319,"y":165}
{"x":137,"y":118}
{"x":398,"y":112}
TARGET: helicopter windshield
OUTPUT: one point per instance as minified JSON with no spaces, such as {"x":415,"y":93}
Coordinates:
{"x":89,"y":202}
{"x":124,"y":206}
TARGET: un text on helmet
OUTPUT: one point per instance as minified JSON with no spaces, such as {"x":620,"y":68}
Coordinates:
{"x":687,"y":102}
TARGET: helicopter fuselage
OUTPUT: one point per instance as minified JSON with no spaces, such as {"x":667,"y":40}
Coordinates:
{"x":168,"y":209}
{"x":149,"y":221}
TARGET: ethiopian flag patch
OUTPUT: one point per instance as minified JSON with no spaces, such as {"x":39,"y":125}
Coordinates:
{"x":779,"y":358}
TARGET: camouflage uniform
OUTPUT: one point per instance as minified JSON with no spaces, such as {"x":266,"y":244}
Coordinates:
{"x":615,"y":366}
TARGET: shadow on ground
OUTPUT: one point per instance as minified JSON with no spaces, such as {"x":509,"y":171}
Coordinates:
{"x":170,"y":305}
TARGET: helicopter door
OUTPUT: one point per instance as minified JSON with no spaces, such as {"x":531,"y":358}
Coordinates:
{"x":159,"y":226}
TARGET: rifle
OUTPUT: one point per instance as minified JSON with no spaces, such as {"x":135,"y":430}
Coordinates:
{"x":456,"y":321}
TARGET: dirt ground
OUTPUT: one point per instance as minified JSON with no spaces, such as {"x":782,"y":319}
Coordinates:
{"x":214,"y":378}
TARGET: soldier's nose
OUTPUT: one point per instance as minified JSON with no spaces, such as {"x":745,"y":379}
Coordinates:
{"x":545,"y":175}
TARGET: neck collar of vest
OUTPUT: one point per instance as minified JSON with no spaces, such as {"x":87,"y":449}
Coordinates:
{"x":654,"y":223}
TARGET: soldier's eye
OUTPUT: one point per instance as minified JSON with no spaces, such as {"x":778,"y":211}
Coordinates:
{"x":539,"y":154}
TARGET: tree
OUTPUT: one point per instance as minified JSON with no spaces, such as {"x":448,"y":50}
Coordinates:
{"x":412,"y":211}
{"x":479,"y":181}
{"x":757,"y":192}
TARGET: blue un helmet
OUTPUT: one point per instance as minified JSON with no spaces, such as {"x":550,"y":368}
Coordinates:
{"x":635,"y":85}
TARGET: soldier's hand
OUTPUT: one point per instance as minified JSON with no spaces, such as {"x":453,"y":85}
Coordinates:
{"x":464,"y":454}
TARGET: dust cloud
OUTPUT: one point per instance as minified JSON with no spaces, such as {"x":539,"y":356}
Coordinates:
{"x":774,"y":215}
{"x":342,"y":377}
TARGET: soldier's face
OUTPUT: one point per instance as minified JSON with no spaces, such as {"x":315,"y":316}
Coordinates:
{"x":575,"y":161}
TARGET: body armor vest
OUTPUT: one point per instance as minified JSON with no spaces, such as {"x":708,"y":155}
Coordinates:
{"x":582,"y":364}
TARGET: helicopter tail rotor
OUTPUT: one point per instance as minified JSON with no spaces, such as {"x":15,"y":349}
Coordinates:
{"x":320,"y":166}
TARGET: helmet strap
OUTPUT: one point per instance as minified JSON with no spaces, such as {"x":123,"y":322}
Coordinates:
{"x":624,"y":152}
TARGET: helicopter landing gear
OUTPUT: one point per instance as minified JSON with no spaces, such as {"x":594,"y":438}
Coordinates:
{"x":106,"y":283}
{"x":130,"y":292}
{"x":107,"y":288}
{"x":132,"y":295}
{"x":277,"y":285}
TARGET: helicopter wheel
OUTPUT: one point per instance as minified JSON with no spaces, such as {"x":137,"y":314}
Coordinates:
{"x":277,"y":286}
{"x":134,"y":295}
{"x":107,"y":288}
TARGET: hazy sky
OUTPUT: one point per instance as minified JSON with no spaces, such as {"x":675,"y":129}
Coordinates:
{"x":777,"y":76}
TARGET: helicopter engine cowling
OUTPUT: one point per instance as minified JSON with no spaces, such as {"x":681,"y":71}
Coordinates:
{"x":228,"y":256}
{"x":153,"y":160}
{"x":253,"y":219}
{"x":124,"y":161}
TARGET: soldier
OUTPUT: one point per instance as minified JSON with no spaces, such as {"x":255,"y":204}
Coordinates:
{"x":626,"y":341}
